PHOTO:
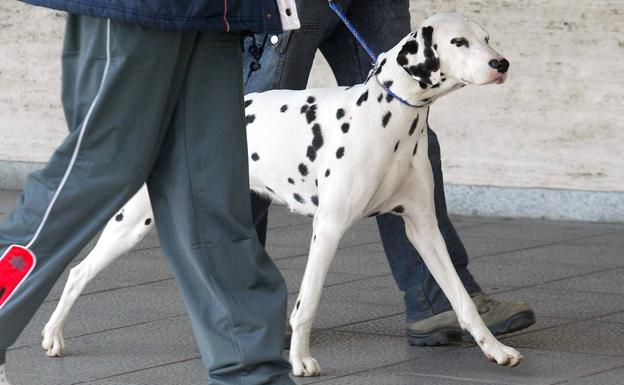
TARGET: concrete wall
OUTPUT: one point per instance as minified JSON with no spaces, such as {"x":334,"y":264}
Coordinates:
{"x":554,"y":126}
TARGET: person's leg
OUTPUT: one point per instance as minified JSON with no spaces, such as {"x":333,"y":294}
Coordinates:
{"x":107,"y":67}
{"x":234,"y":294}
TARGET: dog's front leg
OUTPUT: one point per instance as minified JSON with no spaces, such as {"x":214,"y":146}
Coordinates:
{"x":120,"y":235}
{"x":422,"y":230}
{"x":327,"y":234}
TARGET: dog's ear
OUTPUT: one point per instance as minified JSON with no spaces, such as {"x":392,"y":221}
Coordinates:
{"x":419,"y":58}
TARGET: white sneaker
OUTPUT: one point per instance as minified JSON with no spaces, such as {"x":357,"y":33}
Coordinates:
{"x":3,"y":380}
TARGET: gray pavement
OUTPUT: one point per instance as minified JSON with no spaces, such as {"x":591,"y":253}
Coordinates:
{"x":130,"y":327}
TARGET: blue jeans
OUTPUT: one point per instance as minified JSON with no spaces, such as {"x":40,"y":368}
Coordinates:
{"x":286,"y":63}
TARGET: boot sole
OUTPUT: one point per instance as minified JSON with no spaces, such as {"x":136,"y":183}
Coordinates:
{"x":446,"y":336}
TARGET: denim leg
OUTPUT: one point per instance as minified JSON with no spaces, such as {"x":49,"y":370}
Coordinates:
{"x":423,"y":296}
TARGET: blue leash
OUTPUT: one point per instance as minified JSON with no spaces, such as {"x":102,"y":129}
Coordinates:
{"x":368,"y":50}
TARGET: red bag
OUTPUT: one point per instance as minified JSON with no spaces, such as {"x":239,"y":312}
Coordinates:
{"x":16,"y":264}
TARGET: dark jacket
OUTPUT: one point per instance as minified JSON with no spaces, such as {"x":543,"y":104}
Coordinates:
{"x":216,"y":15}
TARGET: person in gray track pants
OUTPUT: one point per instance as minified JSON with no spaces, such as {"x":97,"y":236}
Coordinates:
{"x":164,"y":107}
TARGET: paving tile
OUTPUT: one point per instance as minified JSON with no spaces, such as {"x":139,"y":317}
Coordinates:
{"x":566,"y":254}
{"x":538,"y":367}
{"x":365,"y":260}
{"x":535,"y":229}
{"x":566,"y":304}
{"x":385,"y":376}
{"x":110,"y":310}
{"x":611,"y":281}
{"x":112,"y":352}
{"x":187,"y":372}
{"x":135,"y":268}
{"x":8,"y":200}
{"x":615,"y":240}
{"x":501,"y":271}
{"x":609,"y":377}
{"x":478,"y":247}
{"x":334,"y":314}
{"x":583,"y":337}
{"x":340,"y":353}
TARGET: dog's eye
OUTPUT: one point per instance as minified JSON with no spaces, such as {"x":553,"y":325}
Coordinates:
{"x":460,"y":42}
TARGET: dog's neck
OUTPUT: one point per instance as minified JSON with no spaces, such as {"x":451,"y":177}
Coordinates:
{"x":389,"y":73}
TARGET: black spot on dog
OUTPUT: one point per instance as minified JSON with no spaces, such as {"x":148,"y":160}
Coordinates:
{"x":431,"y":64}
{"x":314,"y":200}
{"x":340,"y":152}
{"x":410,"y":47}
{"x":311,"y":153}
{"x":443,"y":79}
{"x":402,"y":60}
{"x":460,"y":42}
{"x":317,"y":140}
{"x":399,"y":209}
{"x":415,"y":149}
{"x":389,"y":97}
{"x":379,"y":97}
{"x":386,"y":118}
{"x":413,"y":126}
{"x":362,"y":98}
{"x":248,"y":102}
{"x":270,"y":189}
{"x":327,"y":172}
{"x":297,"y":305}
{"x":345,"y":127}
{"x":291,"y":181}
{"x":298,"y":198}
{"x":436,"y":85}
{"x":119,"y":217}
{"x":314,"y":239}
{"x":316,"y":182}
{"x":396,"y":146}
{"x":148,"y":221}
{"x":255,"y":157}
{"x":311,"y":99}
{"x":304,"y":109}
{"x":374,"y":214}
{"x":249,"y":119}
{"x":378,"y":71}
{"x":311,"y":114}
{"x":284,"y":108}
{"x":427,"y":100}
{"x":303,"y":169}
{"x":340,"y":113}
{"x":422,"y":85}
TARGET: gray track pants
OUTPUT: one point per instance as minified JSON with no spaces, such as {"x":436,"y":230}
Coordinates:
{"x":165,"y":107}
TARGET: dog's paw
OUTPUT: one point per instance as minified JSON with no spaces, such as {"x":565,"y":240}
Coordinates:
{"x":305,"y":367}
{"x":502,"y":354}
{"x":53,"y":341}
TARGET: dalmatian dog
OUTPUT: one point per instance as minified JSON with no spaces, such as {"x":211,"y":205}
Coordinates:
{"x":340,"y":155}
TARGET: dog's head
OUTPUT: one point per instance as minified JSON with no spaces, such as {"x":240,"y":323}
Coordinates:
{"x":451,"y":47}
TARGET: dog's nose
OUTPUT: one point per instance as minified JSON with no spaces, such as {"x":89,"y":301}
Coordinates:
{"x":500,"y":65}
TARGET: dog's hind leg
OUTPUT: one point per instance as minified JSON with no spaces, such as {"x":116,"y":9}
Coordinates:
{"x":422,"y":230}
{"x":120,"y":235}
{"x":328,"y":230}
